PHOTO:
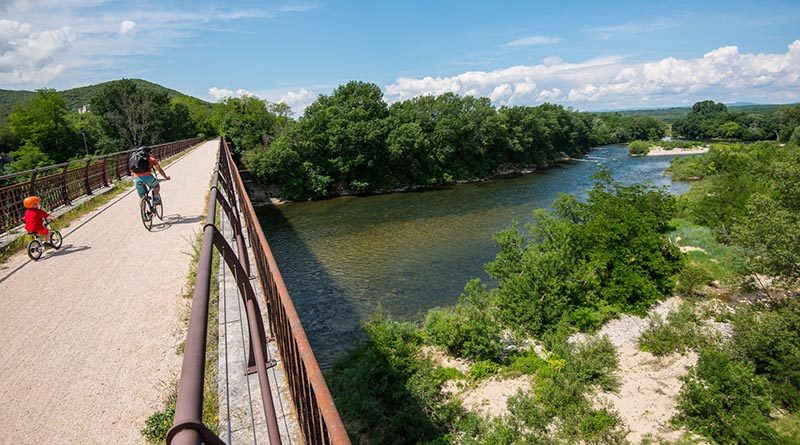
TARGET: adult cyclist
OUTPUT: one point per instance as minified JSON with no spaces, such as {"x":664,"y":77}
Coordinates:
{"x":142,"y":165}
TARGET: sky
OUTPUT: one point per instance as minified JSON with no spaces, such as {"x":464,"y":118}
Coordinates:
{"x":589,"y":55}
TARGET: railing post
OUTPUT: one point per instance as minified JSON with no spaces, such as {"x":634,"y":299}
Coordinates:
{"x":86,"y":185}
{"x":32,"y":187}
{"x":105,"y":171}
{"x":64,"y":191}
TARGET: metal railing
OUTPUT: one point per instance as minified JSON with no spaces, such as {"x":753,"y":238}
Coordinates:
{"x":317,"y":415}
{"x":60,"y":184}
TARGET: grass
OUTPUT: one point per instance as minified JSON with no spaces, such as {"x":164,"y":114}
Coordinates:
{"x":723,"y":262}
{"x":158,"y":424}
{"x":788,"y":426}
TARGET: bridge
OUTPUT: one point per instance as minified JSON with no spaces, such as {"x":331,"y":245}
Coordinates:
{"x":91,"y":334}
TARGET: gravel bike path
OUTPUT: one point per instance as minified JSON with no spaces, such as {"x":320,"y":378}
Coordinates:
{"x":88,"y":334}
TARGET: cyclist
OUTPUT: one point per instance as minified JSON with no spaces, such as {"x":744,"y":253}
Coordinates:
{"x":35,"y":216}
{"x":142,"y":165}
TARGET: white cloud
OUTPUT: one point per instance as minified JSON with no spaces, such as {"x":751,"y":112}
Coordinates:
{"x":552,"y":95}
{"x":297,"y":100}
{"x":126,"y":26}
{"x":28,"y":56}
{"x":534,"y":40}
{"x":80,"y":41}
{"x":723,"y":73}
{"x":220,"y":93}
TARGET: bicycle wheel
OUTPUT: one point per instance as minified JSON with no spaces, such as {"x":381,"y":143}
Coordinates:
{"x":56,"y":239}
{"x":35,"y":249}
{"x":147,"y":212}
{"x":159,"y":210}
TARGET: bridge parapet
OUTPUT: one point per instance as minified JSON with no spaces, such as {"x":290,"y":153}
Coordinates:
{"x":318,"y":418}
{"x":60,"y":184}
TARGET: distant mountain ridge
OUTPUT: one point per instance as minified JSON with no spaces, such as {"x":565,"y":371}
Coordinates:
{"x":77,"y":97}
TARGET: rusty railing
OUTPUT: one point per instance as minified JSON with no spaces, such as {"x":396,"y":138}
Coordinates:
{"x":317,"y":415}
{"x":58,"y":185}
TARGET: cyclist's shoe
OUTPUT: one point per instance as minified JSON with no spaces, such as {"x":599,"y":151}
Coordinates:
{"x":156,"y":200}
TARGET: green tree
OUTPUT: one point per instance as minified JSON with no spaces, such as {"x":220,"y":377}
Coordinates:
{"x":246,"y":121}
{"x":788,"y":119}
{"x":43,"y":123}
{"x":771,"y":233}
{"x":587,"y":261}
{"x":137,"y":115}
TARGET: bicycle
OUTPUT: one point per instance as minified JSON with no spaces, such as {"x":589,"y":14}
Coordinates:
{"x":148,"y":208}
{"x":36,"y":247}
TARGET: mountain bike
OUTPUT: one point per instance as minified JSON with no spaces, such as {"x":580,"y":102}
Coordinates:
{"x":37,"y":245}
{"x":148,"y":207}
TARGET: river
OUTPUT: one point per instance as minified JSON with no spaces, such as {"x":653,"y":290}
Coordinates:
{"x":344,"y":258}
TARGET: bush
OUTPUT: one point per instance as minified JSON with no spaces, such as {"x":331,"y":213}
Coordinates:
{"x":558,"y":410}
{"x":584,"y":262}
{"x":680,"y":331}
{"x":469,"y":329}
{"x":386,"y":393}
{"x":770,"y":339}
{"x":725,"y":400}
{"x":692,"y":279}
{"x":639,"y":148}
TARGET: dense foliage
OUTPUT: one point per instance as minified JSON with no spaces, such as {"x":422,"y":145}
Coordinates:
{"x":749,"y":195}
{"x":586,"y":261}
{"x":732,"y":393}
{"x":46,"y":127}
{"x":352,"y":141}
{"x":638,"y":148}
{"x":709,"y":119}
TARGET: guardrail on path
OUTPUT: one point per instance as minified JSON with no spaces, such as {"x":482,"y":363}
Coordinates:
{"x":60,"y":184}
{"x":317,"y":415}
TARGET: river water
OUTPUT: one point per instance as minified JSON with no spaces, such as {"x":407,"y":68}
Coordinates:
{"x":344,"y":258}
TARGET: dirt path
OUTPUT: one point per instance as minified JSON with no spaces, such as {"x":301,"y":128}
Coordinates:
{"x":88,"y":333}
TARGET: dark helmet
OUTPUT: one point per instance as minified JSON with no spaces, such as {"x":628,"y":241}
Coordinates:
{"x":145,"y":149}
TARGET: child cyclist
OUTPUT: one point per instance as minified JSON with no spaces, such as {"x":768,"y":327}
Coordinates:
{"x":142,"y":165}
{"x":35,"y":217}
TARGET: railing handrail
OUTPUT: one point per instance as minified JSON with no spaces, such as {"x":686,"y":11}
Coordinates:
{"x":318,"y":418}
{"x":60,"y":184}
{"x":88,"y":158}
{"x":332,"y":421}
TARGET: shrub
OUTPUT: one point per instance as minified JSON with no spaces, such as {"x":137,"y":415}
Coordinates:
{"x":770,"y":339}
{"x":482,"y":369}
{"x":386,"y":393}
{"x":725,"y":400}
{"x":639,"y":148}
{"x":679,"y":332}
{"x":558,"y":409}
{"x":692,"y":279}
{"x":586,"y":261}
{"x":469,"y":329}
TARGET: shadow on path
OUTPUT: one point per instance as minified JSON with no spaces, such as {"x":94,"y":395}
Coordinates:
{"x":68,"y":249}
{"x":171,"y":220}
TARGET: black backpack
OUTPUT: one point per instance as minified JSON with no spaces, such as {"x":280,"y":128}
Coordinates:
{"x":139,"y":161}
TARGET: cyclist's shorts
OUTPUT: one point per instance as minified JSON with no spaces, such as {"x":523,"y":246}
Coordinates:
{"x":143,"y":183}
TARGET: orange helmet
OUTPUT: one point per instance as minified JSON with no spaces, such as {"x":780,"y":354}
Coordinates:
{"x":31,"y":201}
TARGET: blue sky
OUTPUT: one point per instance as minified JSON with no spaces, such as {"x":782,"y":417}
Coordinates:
{"x":588,"y":55}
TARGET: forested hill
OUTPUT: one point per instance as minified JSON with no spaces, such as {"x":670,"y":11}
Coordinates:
{"x":673,"y":114}
{"x":77,"y":97}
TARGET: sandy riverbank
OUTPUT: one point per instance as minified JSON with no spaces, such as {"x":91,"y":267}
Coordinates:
{"x":658,"y":151}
